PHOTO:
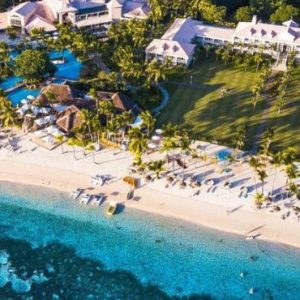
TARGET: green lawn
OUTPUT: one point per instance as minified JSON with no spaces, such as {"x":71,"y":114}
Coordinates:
{"x":287,"y":124}
{"x":203,"y":109}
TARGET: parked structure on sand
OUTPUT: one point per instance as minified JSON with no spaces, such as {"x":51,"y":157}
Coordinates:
{"x":179,"y":42}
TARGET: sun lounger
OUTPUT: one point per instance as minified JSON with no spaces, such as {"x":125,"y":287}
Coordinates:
{"x":97,"y":180}
{"x":97,"y":200}
{"x":85,"y":199}
{"x":76,"y":193}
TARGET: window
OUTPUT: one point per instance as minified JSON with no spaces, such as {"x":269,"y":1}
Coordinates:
{"x":15,"y":21}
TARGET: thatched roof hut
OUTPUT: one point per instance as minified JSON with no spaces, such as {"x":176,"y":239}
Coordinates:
{"x":120,"y":101}
{"x":58,"y":93}
{"x":69,"y":119}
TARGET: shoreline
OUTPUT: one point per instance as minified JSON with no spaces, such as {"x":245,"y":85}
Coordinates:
{"x":198,"y":212}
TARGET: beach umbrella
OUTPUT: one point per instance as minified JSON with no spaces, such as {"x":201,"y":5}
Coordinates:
{"x":152,"y":146}
{"x":156,"y":138}
{"x":30,"y":97}
{"x":24,"y":101}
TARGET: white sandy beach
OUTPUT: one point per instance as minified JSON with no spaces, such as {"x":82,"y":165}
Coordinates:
{"x":222,"y":210}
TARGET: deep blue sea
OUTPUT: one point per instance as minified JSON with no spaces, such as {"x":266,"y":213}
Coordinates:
{"x":53,"y":248}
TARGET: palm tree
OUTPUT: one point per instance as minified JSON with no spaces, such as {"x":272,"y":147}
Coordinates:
{"x":148,"y":121}
{"x":106,"y":108}
{"x":239,"y":138}
{"x":137,"y":147}
{"x":72,"y":142}
{"x":87,"y":122}
{"x":156,"y":166}
{"x":184,"y":144}
{"x":267,"y":140}
{"x":7,"y":112}
{"x":154,"y":73}
{"x":289,"y":156}
{"x":262,"y":175}
{"x":277,"y":160}
{"x":259,"y":199}
{"x":256,"y":164}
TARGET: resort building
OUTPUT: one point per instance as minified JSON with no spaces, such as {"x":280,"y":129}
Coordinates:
{"x":179,"y":42}
{"x":91,"y":14}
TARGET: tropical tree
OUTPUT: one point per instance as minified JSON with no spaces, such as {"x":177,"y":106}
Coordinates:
{"x":7,"y":112}
{"x":154,"y":73}
{"x":267,"y":140}
{"x":137,"y":144}
{"x":156,"y":166}
{"x":289,"y":156}
{"x":60,"y":140}
{"x":284,"y":12}
{"x":33,"y":66}
{"x":87,"y":123}
{"x":148,"y":121}
{"x":256,"y":164}
{"x":243,"y":14}
{"x":240,"y":138}
{"x":4,"y":60}
{"x":277,"y":160}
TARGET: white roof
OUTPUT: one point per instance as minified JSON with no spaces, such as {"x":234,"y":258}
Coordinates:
{"x":268,"y":32}
{"x":214,"y":32}
{"x":134,"y":9}
{"x":39,"y":22}
{"x":24,"y":9}
{"x":171,"y":48}
{"x":182,"y":30}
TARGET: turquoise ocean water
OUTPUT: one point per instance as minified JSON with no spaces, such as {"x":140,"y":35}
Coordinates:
{"x":51,"y":248}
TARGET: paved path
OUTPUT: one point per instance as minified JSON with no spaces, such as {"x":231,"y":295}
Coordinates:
{"x":164,"y":102}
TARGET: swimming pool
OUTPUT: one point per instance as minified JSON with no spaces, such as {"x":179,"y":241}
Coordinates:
{"x":69,"y":70}
{"x":223,"y":155}
{"x":10,"y":82}
{"x":17,"y":95}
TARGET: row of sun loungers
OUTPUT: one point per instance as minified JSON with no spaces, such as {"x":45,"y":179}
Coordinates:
{"x":86,"y":198}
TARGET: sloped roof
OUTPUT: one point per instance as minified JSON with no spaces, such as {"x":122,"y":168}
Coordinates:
{"x":291,"y":23}
{"x":269,"y":32}
{"x":61,"y":92}
{"x":122,"y":102}
{"x":69,"y":119}
{"x":39,"y":22}
{"x":182,"y":30}
{"x":133,"y":9}
{"x":171,"y":48}
{"x":24,"y":9}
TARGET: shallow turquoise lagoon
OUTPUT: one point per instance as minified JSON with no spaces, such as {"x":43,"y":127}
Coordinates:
{"x":59,"y":250}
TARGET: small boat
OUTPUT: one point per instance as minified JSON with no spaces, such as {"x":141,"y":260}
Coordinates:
{"x":250,"y":237}
{"x":76,"y":193}
{"x":97,"y":200}
{"x":111,"y":208}
{"x":85,"y":199}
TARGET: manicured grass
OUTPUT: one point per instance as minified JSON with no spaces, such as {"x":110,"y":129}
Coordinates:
{"x":287,"y":123}
{"x":204,"y":109}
